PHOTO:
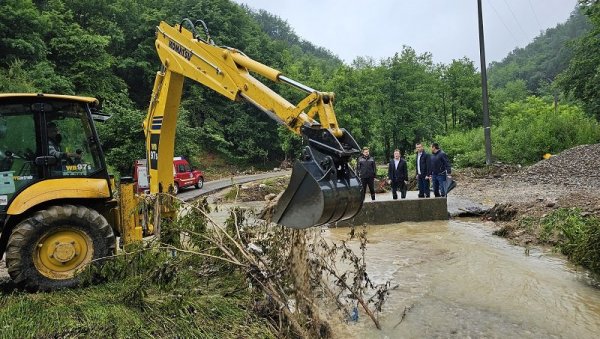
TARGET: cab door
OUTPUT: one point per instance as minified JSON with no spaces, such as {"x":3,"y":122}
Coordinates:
{"x":19,"y":147}
{"x":183,"y":174}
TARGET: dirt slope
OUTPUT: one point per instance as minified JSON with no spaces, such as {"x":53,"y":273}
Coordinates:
{"x":568,"y":179}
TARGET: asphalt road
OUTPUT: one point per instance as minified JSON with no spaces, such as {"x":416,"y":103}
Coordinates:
{"x":215,"y":185}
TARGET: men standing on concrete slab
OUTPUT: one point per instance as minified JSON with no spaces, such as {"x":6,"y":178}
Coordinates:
{"x":440,"y":169}
{"x":398,"y":175}
{"x":422,"y":169}
{"x":366,"y":172}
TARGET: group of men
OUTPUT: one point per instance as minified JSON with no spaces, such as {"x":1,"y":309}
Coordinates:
{"x":431,"y":168}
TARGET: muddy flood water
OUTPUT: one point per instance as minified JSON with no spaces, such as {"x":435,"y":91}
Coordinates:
{"x":456,"y":280}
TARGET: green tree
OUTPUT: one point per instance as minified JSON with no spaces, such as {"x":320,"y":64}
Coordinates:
{"x":464,"y":84}
{"x":582,"y":77}
{"x":22,"y":30}
{"x":543,"y":59}
{"x":513,"y":91}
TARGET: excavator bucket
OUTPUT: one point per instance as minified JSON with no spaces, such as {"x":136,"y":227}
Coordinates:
{"x":323,"y":188}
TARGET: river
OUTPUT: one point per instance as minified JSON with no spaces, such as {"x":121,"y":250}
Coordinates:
{"x":456,"y":280}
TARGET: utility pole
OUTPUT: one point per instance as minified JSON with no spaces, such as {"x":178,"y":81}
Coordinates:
{"x":484,"y":91}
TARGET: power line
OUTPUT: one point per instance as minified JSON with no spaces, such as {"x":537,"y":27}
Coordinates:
{"x":515,"y":17}
{"x":535,"y":15}
{"x":503,"y":23}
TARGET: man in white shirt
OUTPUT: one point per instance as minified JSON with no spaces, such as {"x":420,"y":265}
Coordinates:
{"x":422,"y":169}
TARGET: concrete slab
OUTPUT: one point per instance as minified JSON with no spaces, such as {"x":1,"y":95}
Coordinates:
{"x":385,"y":210}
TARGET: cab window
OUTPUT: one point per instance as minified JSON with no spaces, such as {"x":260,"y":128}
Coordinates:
{"x":70,"y":139}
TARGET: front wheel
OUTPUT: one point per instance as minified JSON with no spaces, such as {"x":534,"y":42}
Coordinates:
{"x":175,"y":188}
{"x":200,"y":183}
{"x":46,"y":250}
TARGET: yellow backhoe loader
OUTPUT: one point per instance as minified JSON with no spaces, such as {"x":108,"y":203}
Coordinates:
{"x":58,"y":209}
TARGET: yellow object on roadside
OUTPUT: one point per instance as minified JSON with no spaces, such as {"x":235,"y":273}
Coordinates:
{"x":547,"y":156}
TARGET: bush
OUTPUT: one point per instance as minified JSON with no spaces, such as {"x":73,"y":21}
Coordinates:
{"x":527,"y":130}
{"x":531,"y":128}
{"x":465,"y":149}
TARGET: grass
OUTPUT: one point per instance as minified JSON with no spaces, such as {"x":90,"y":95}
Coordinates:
{"x":569,"y":231}
{"x":576,"y":235}
{"x":150,"y":303}
{"x":216,"y":166}
{"x":232,"y":193}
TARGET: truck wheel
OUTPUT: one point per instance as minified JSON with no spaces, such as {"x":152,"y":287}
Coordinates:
{"x":200,"y":183}
{"x":46,"y":250}
{"x":175,"y":188}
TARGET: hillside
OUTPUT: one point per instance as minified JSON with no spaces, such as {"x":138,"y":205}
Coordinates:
{"x":543,"y":59}
{"x":106,"y":50}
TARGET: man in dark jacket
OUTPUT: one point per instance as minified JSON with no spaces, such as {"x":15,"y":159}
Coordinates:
{"x":398,"y":175}
{"x":366,"y":172}
{"x":422,"y":171}
{"x":440,"y":170}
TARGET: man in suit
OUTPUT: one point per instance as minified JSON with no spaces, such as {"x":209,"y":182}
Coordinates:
{"x":422,"y":171}
{"x":398,"y":175}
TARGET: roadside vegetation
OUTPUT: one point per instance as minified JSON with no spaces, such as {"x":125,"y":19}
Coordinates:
{"x":145,"y":301}
{"x":201,"y":279}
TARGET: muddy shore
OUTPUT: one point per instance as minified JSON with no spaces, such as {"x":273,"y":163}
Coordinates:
{"x":566,"y":180}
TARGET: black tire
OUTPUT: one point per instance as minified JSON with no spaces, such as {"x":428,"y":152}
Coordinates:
{"x":175,"y":188}
{"x":200,"y":183}
{"x":46,"y":250}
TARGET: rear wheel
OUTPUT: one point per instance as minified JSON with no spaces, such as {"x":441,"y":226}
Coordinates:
{"x":200,"y":183}
{"x":46,"y":250}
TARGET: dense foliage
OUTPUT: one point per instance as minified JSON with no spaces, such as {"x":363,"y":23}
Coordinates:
{"x":106,"y":50}
{"x":527,"y":130}
{"x":582,"y":78}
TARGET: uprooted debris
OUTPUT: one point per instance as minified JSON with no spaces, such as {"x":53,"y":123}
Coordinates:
{"x":295,"y":276}
{"x":266,"y":189}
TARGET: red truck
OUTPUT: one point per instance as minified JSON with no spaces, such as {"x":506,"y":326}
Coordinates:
{"x":183,"y":175}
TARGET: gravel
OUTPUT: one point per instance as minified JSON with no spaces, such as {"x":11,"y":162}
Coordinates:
{"x":576,"y":167}
{"x":568,"y":179}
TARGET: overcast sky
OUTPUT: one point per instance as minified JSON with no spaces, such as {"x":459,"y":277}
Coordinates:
{"x":445,"y":28}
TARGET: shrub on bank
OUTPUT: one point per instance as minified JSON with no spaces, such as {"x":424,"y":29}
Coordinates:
{"x":576,"y":235}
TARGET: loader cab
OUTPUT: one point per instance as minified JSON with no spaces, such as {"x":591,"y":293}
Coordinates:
{"x":46,"y":137}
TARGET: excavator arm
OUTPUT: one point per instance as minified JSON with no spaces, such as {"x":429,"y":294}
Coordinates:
{"x":323,"y":187}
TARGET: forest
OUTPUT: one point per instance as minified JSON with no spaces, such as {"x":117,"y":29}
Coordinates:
{"x":105,"y":49}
